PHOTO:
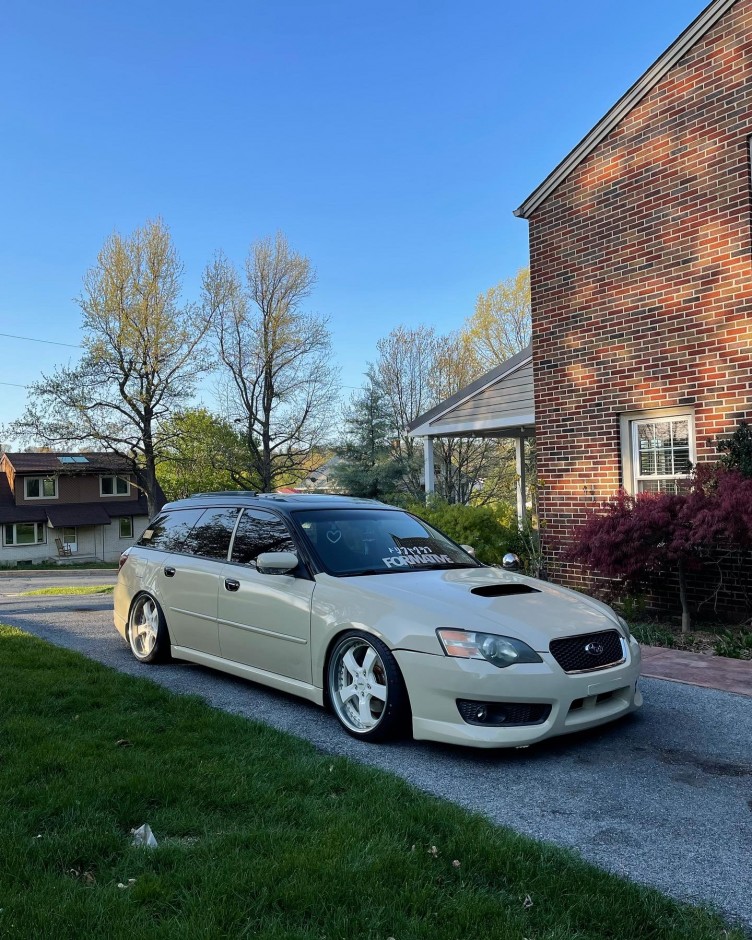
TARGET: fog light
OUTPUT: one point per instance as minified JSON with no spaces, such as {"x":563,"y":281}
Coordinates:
{"x":481,"y":713}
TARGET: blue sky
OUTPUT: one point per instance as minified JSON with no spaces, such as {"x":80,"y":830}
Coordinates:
{"x":390,"y":141}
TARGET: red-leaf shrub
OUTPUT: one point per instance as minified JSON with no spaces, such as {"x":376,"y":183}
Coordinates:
{"x":636,"y":538}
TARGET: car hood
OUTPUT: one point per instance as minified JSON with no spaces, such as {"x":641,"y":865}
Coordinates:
{"x":483,"y":599}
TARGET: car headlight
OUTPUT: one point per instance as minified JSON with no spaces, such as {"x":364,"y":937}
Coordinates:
{"x":501,"y":651}
{"x":624,"y":625}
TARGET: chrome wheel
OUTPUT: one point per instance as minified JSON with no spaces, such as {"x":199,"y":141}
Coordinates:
{"x":144,"y":628}
{"x":365,"y":686}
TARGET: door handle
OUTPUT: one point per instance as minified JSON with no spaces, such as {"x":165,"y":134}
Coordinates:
{"x":169,"y":571}
{"x":231,"y":584}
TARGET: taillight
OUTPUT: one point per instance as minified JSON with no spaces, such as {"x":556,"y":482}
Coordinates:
{"x":123,"y":559}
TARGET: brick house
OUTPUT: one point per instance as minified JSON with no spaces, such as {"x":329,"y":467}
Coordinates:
{"x":641,"y":274}
{"x":641,"y":271}
{"x":87,"y":503}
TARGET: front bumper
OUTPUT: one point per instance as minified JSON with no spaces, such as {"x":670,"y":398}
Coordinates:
{"x":435,"y":683}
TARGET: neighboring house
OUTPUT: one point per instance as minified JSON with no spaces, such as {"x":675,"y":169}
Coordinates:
{"x":641,"y":277}
{"x":68,"y":506}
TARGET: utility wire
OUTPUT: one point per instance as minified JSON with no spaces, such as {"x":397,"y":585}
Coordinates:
{"x":34,"y":339}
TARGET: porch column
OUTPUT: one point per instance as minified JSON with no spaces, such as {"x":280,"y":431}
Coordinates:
{"x":428,"y":470}
{"x":519,"y":454}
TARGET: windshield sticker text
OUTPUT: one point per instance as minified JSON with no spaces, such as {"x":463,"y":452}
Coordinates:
{"x":407,"y":561}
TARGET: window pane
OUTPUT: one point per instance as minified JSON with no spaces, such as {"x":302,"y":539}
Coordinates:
{"x":258,"y":532}
{"x":9,"y":535}
{"x":211,"y":535}
{"x":169,"y":531}
{"x":121,"y":486}
{"x":107,"y":486}
{"x":663,"y":449}
{"x":49,"y":487}
{"x":41,"y":537}
{"x":32,"y":489}
{"x":26,"y":533}
{"x":126,"y":527}
{"x":69,"y":535}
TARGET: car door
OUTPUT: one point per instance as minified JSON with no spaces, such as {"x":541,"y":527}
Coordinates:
{"x":188,"y":578}
{"x":264,"y":619}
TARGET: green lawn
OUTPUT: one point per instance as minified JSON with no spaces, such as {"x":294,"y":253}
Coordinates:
{"x":88,"y":589}
{"x":259,"y":834}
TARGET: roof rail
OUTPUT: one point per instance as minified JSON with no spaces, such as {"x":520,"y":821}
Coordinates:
{"x":224,"y":493}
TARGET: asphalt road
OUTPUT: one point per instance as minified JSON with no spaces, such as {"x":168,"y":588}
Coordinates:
{"x":663,"y":797}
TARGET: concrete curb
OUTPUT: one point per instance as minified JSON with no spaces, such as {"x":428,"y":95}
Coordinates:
{"x":54,"y":572}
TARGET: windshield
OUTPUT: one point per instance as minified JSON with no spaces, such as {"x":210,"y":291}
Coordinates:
{"x":377,"y":541}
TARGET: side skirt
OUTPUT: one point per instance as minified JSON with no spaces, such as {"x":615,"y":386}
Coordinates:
{"x":282,"y":683}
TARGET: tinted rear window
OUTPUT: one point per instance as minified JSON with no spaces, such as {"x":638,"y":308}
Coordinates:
{"x":169,"y":530}
{"x":211,"y":535}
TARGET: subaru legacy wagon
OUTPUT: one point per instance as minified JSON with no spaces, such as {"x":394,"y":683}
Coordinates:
{"x":371,"y":612}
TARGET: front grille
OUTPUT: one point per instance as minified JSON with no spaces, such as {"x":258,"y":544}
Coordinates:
{"x":496,"y":714}
{"x":588,"y":652}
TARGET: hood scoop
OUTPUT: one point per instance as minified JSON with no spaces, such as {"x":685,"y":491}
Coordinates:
{"x":503,"y":590}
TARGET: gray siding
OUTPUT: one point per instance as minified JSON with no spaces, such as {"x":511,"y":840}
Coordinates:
{"x":509,"y":396}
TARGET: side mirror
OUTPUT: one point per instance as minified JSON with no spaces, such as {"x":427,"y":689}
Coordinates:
{"x":510,"y":562}
{"x":276,"y":562}
{"x":469,"y":549}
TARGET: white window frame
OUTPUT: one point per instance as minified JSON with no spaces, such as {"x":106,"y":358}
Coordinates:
{"x":115,"y":480}
{"x":41,"y":481}
{"x":120,"y":527}
{"x":40,"y":529}
{"x":630,"y":422}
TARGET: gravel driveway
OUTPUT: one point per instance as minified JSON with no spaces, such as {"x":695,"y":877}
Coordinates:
{"x":664,"y":797}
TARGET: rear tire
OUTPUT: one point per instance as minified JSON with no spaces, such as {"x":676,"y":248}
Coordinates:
{"x":148,"y":636}
{"x":365,"y":688}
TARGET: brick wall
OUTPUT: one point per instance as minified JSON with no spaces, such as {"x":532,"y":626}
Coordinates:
{"x":641,"y":268}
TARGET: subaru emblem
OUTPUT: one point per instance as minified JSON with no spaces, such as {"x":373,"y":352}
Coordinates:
{"x":594,"y":649}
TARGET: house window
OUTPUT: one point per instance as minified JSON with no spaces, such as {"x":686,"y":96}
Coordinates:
{"x":40,"y":487}
{"x":114,"y":486}
{"x":24,"y":533}
{"x":658,"y":450}
{"x":126,"y":527}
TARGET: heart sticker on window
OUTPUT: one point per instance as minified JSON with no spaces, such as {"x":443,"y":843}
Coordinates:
{"x":334,"y":535}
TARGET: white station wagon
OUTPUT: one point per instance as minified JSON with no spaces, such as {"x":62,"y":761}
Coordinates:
{"x":370,"y":611}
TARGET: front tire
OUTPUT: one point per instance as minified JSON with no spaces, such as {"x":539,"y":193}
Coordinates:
{"x":365,"y":688}
{"x":147,"y":631}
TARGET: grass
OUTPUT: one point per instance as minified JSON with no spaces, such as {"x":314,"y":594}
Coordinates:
{"x":259,"y":834}
{"x":87,"y":589}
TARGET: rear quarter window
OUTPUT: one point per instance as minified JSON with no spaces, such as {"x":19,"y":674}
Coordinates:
{"x":169,"y":530}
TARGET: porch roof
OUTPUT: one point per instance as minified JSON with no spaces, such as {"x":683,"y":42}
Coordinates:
{"x":498,"y":404}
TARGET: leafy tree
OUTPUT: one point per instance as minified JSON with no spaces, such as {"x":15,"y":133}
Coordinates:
{"x":501,"y":324}
{"x":368,"y":466}
{"x":142,"y":355}
{"x":491,"y":530}
{"x":276,"y":359}
{"x":639,"y":538}
{"x":737,"y":450}
{"x":199,"y":455}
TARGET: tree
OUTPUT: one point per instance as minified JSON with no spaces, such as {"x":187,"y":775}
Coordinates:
{"x":276,"y":359}
{"x":737,"y":450}
{"x":199,"y":454}
{"x":142,"y":354}
{"x":500,"y":326}
{"x":368,"y":466}
{"x":639,"y":538}
{"x":406,"y":357}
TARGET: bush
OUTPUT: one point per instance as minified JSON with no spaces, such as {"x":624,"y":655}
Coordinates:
{"x":651,"y":535}
{"x":491,"y":530}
